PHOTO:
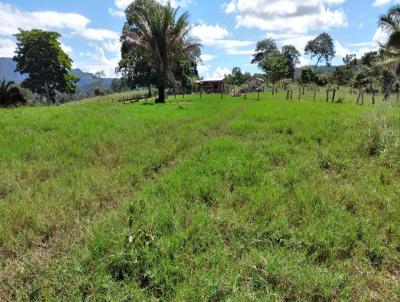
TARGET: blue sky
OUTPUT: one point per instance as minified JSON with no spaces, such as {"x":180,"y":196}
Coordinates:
{"x":228,"y":29}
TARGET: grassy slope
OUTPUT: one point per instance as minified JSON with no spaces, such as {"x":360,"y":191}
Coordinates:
{"x":213,"y":200}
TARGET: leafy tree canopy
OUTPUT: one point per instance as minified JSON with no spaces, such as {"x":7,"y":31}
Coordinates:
{"x":276,"y":67}
{"x":39,"y":54}
{"x":292,"y":56}
{"x":264,"y":49}
{"x":237,"y":77}
{"x":322,"y":48}
{"x":266,"y":54}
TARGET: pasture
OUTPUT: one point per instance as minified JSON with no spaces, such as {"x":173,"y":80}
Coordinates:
{"x":200,"y":199}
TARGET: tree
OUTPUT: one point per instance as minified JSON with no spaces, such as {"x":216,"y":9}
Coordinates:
{"x":343,"y":75}
{"x":237,"y":77}
{"x":321,"y":48}
{"x":98,"y":82}
{"x":276,"y":67}
{"x":308,"y":76}
{"x":264,"y":49}
{"x":160,"y":37}
{"x":370,"y":58}
{"x":10,"y":95}
{"x":292,"y":56}
{"x":186,"y":73}
{"x":135,"y":68}
{"x":39,"y":54}
{"x":390,"y":23}
{"x":119,"y":85}
{"x":350,"y":60}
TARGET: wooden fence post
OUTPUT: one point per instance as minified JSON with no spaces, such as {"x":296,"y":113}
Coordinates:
{"x":362,"y":96}
{"x":359,"y":96}
{"x":327,"y":95}
{"x":333,"y":95}
{"x":373,"y":96}
{"x":315,"y":94}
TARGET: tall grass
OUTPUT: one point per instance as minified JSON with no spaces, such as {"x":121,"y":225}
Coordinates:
{"x":200,"y":200}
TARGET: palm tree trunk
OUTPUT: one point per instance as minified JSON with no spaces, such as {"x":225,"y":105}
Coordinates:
{"x":161,"y":89}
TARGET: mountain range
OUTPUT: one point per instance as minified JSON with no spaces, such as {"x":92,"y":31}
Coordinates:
{"x":8,"y":66}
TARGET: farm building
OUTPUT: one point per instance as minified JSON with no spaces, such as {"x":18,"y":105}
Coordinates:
{"x":212,"y":85}
{"x":255,"y":82}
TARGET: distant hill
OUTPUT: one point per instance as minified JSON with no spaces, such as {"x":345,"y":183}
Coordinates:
{"x":320,"y":70}
{"x":7,"y":71}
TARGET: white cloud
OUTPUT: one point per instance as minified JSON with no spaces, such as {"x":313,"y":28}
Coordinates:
{"x":380,"y":36}
{"x":11,"y":18}
{"x":216,"y":35}
{"x":116,"y":13}
{"x":287,"y":15}
{"x":383,"y":2}
{"x":220,"y":72}
{"x":209,"y":34}
{"x":208,"y":57}
{"x":204,"y":69}
{"x":341,"y":50}
{"x":121,"y":5}
{"x":7,"y":48}
{"x":66,"y":48}
{"x":99,"y":61}
{"x":238,"y":52}
{"x":98,"y":34}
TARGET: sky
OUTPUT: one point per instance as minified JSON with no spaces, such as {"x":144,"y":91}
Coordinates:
{"x":227,"y":29}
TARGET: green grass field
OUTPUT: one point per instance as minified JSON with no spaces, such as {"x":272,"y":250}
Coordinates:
{"x":200,"y":200}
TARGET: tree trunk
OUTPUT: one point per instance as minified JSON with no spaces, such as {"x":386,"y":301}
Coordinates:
{"x":49,"y":100}
{"x":150,"y":92}
{"x":161,"y":94}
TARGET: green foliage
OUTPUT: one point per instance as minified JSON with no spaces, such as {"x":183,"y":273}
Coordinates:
{"x":263,"y":50}
{"x":120,"y":85}
{"x":276,"y":67}
{"x":10,"y":95}
{"x":277,"y":64}
{"x":186,"y":73}
{"x":156,"y":38}
{"x":39,"y":54}
{"x":322,"y":48}
{"x":292,"y":56}
{"x":343,"y":75}
{"x":237,"y":77}
{"x":308,"y":75}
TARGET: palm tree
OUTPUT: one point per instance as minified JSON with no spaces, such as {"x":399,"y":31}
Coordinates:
{"x":157,"y":33}
{"x":390,"y":23}
{"x":9,"y":95}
